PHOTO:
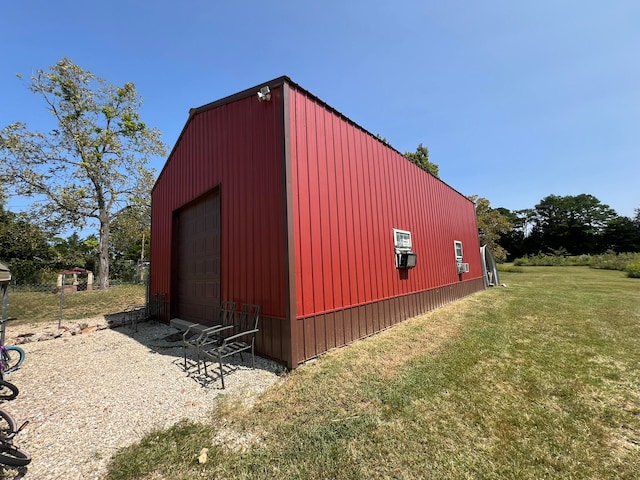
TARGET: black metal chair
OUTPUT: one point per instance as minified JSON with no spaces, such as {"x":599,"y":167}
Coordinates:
{"x":133,"y":315}
{"x":236,"y":340}
{"x":212,"y":336}
{"x":157,"y":306}
{"x":197,"y":333}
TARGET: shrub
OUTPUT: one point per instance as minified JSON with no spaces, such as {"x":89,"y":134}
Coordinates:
{"x":544,"y":260}
{"x":633,"y":270}
{"x":509,"y":268}
{"x":607,"y":261}
{"x":613,"y":261}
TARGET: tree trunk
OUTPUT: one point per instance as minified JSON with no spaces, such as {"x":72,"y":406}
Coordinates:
{"x":104,"y":251}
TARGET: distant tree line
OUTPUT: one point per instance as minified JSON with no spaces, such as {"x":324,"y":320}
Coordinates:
{"x":568,"y":225}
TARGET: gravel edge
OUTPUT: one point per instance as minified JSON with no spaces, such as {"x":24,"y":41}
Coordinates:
{"x":88,"y":394}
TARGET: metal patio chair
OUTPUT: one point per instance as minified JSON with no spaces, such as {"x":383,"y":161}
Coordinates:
{"x":197,"y":333}
{"x":234,"y":341}
{"x":133,"y":315}
{"x":211,"y":336}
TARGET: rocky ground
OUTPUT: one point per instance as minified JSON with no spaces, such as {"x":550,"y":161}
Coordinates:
{"x":88,"y":389}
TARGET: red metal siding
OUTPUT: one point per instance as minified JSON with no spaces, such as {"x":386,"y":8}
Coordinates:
{"x":349,"y":192}
{"x":238,"y":147}
{"x":345,"y":193}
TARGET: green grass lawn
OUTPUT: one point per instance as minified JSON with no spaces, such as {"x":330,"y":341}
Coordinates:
{"x":42,"y":307}
{"x":537,"y":380}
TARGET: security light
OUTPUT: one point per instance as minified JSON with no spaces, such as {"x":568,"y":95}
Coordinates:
{"x":264,"y":95}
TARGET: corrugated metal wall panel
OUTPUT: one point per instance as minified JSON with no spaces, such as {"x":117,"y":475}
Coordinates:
{"x":349,"y":192}
{"x":237,"y":146}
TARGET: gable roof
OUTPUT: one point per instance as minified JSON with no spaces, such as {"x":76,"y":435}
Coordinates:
{"x":276,"y":82}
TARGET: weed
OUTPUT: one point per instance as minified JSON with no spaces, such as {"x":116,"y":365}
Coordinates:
{"x":607,"y":261}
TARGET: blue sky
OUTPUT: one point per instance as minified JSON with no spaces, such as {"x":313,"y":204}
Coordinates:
{"x":515,"y":100}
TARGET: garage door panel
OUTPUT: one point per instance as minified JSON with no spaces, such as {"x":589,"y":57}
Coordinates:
{"x":196,"y":283}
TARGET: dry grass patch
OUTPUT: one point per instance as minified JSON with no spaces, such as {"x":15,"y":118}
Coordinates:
{"x":392,"y":348}
{"x":32,"y":308}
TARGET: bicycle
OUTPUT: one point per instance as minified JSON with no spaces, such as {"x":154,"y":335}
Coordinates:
{"x":11,"y":358}
{"x":8,"y":391}
{"x":10,"y":454}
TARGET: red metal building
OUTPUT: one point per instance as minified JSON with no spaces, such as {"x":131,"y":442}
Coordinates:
{"x":271,"y":196}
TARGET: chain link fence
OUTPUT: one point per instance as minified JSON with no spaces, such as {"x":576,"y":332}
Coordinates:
{"x":50,"y":304}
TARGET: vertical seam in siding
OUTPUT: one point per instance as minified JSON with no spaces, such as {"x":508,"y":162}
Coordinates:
{"x":292,"y":353}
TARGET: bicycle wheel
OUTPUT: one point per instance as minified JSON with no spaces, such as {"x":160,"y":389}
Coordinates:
{"x":8,"y":391}
{"x":13,"y":357}
{"x":7,"y":424}
{"x":13,"y":456}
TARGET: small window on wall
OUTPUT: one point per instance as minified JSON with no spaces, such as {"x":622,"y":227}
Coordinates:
{"x":458,"y":246}
{"x":402,"y":240}
{"x":405,"y":257}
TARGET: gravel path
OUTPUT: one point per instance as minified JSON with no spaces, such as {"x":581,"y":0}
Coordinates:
{"x":87,"y":395}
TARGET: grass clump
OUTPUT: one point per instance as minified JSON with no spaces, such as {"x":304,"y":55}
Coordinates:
{"x":613,"y":261}
{"x":545,"y":260}
{"x":538,"y":380}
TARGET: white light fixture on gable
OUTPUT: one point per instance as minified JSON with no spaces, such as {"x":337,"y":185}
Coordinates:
{"x":264,"y":95}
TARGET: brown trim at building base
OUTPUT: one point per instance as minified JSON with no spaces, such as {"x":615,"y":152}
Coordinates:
{"x":320,"y":333}
{"x":326,"y":331}
{"x":272,"y":341}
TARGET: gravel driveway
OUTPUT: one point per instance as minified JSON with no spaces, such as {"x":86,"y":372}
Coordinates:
{"x":87,"y":395}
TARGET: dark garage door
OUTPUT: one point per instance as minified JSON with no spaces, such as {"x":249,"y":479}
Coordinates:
{"x":196,"y":260}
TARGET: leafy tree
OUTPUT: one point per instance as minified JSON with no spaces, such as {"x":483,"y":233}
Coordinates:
{"x":129,"y":231}
{"x":130,"y":240}
{"x":492,"y":223}
{"x":569,"y":225}
{"x":94,"y":164}
{"x":421,"y":158}
{"x":76,"y":252}
{"x":24,"y":247}
{"x":575,"y":223}
{"x":514,"y":241}
{"x":622,"y":234}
